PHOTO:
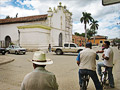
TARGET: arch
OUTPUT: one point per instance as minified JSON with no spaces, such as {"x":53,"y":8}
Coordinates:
{"x":60,"y":39}
{"x":7,"y":41}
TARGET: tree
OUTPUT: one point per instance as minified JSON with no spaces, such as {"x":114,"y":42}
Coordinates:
{"x":77,"y":34}
{"x":94,"y":27}
{"x":89,"y":33}
{"x":7,"y":17}
{"x":86,"y":18}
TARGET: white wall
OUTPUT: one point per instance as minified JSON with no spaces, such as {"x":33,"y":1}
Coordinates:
{"x":12,"y":30}
{"x":34,"y":38}
{"x":9,"y":30}
{"x":55,"y":37}
{"x":57,"y":19}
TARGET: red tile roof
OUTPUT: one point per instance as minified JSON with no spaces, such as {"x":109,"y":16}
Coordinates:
{"x":24,"y":19}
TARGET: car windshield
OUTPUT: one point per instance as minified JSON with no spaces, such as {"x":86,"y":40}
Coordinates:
{"x":16,"y":46}
{"x":76,"y":45}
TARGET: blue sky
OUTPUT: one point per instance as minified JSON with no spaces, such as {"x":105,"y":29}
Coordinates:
{"x":108,"y":16}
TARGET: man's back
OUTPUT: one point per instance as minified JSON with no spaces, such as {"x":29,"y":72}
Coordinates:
{"x":87,"y":59}
{"x":40,"y":79}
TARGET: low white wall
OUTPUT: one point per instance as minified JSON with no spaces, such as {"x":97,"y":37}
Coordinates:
{"x":34,"y":38}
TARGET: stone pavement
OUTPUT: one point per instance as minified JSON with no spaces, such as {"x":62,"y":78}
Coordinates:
{"x":5,"y":59}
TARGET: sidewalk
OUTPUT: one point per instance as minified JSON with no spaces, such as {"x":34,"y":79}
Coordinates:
{"x":5,"y":59}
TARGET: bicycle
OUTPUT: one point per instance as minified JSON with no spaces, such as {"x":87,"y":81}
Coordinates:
{"x":104,"y":78}
{"x":85,"y":81}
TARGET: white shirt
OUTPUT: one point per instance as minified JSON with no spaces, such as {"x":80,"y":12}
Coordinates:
{"x":108,"y":53}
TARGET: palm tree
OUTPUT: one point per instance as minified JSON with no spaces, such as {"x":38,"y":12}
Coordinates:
{"x":86,"y":19}
{"x":94,"y":27}
{"x":89,"y":33}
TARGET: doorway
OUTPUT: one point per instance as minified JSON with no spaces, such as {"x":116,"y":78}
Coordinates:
{"x":7,"y":41}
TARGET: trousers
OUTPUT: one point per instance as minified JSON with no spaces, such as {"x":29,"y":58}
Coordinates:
{"x":93,"y":75}
{"x":109,"y":69}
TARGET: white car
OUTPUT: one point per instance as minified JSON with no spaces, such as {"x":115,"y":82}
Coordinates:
{"x":16,"y":49}
{"x":67,"y":48}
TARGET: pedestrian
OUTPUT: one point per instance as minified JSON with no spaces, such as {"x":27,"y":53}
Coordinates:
{"x":40,"y":78}
{"x":86,"y":61}
{"x":49,"y":48}
{"x":107,"y":62}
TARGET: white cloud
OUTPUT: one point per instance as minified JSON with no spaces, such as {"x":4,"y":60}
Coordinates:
{"x":3,"y":1}
{"x":111,"y":33}
{"x":11,"y":11}
{"x":78,"y":27}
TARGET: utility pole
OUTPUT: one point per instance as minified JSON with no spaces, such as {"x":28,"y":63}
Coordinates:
{"x":19,"y":37}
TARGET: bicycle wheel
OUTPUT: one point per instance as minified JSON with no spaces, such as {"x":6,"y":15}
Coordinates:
{"x":84,"y":85}
{"x":103,"y":79}
{"x":87,"y":80}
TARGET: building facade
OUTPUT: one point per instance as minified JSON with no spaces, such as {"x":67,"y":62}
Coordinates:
{"x":79,"y":40}
{"x":99,"y":40}
{"x":37,"y":32}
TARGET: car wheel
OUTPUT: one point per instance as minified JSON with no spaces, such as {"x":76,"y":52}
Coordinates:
{"x":16,"y":52}
{"x":3,"y":53}
{"x":8,"y":52}
{"x":24,"y":53}
{"x":58,"y":52}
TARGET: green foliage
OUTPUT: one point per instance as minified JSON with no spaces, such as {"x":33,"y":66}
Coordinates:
{"x":90,"y":33}
{"x":7,"y":17}
{"x":86,"y":18}
{"x":94,"y":25}
{"x":78,"y":34}
{"x":12,"y":43}
{"x":116,"y":40}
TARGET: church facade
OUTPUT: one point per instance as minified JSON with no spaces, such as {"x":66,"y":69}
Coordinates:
{"x":37,"y":32}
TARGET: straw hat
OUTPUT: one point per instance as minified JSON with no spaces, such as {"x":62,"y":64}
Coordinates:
{"x":39,"y":58}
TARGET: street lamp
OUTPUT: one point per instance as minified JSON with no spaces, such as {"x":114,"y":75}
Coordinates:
{"x":19,"y":37}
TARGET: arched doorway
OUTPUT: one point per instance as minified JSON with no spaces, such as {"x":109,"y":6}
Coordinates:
{"x":60,"y":39}
{"x":7,"y":41}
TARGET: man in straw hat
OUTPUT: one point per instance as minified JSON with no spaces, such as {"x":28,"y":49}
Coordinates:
{"x":40,"y":78}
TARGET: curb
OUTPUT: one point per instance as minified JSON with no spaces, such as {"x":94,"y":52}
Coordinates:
{"x":8,"y":61}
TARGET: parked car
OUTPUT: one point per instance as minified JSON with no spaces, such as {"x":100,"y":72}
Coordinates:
{"x":67,"y":48}
{"x":16,"y":49}
{"x":3,"y":51}
{"x":118,"y":45}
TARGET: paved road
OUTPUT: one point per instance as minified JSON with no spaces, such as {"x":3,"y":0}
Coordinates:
{"x":64,"y":67}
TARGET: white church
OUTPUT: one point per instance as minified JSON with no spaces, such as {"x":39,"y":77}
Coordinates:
{"x":37,"y":32}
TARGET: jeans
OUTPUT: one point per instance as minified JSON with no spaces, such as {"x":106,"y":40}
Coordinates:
{"x":93,"y":75}
{"x":109,"y":69}
{"x":49,"y":49}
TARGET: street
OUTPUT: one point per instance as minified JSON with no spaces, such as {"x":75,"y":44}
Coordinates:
{"x":64,"y":67}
